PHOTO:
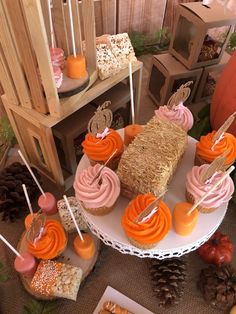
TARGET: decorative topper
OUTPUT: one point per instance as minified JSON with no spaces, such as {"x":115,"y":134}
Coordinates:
{"x":34,"y":233}
{"x":216,"y":165}
{"x":100,"y":170}
{"x":219,"y":134}
{"x":101,"y":120}
{"x":181,"y":95}
{"x":149,"y":211}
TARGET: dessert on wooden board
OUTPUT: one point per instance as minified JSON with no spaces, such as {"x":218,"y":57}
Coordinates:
{"x":149,"y":162}
{"x":57,"y":280}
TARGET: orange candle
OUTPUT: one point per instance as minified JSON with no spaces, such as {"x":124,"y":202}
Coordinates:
{"x":130,"y":132}
{"x":76,"y":67}
{"x":85,"y":249}
{"x":183,"y":223}
{"x":28,"y":220}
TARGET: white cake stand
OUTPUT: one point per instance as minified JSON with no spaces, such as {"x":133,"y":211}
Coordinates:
{"x":108,"y":228}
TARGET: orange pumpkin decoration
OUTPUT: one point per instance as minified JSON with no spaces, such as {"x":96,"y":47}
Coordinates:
{"x":224,"y":98}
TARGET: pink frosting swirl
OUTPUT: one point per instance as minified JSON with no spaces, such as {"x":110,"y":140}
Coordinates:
{"x":195,"y":187}
{"x":179,"y":114}
{"x":102,"y":193}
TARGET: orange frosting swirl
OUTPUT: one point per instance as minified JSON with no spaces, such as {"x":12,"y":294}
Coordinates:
{"x":151,"y":231}
{"x":52,"y":242}
{"x":101,"y":149}
{"x":208,"y":152}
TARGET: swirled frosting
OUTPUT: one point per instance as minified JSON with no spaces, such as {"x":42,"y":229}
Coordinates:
{"x":101,"y":149}
{"x":179,"y":114}
{"x":208,"y":151}
{"x":51,"y":243}
{"x":151,"y":231}
{"x":195,"y":187}
{"x":102,"y":193}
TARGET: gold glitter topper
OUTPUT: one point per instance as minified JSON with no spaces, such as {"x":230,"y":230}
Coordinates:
{"x":181,"y":95}
{"x":216,"y":165}
{"x":36,"y":227}
{"x":224,"y":127}
{"x":101,"y":120}
{"x":149,"y":209}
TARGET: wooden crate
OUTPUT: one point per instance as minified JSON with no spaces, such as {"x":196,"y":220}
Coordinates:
{"x":32,"y":104}
{"x":166,"y":75}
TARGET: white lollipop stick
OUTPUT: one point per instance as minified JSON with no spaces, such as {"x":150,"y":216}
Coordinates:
{"x":131,"y":92}
{"x":11,"y":247}
{"x":31,"y":172}
{"x":72,"y":28}
{"x":27,"y":199}
{"x":50,"y":24}
{"x":73,"y":218}
{"x":211,"y":190}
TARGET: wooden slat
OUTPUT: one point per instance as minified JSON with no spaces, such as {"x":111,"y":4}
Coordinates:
{"x":44,"y":6}
{"x":6,"y":80}
{"x":89,"y":33}
{"x":77,"y":27}
{"x":109,"y":16}
{"x":27,"y":55}
{"x":12,"y":61}
{"x":35,"y":22}
{"x":60,"y":25}
{"x":140,"y":15}
{"x":170,"y":12}
{"x":2,"y":109}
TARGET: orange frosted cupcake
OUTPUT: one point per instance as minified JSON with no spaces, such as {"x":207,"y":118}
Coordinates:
{"x":99,"y":150}
{"x":51,"y":243}
{"x":147,"y":234}
{"x":207,"y":150}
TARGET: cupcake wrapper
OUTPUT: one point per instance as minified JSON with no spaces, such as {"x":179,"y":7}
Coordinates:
{"x":113,"y":163}
{"x":142,"y":246}
{"x":199,"y":161}
{"x":100,"y":211}
{"x":204,"y":210}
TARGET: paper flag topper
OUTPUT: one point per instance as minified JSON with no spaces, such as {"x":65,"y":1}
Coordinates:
{"x":216,"y":165}
{"x":101,"y":120}
{"x":181,"y":95}
{"x":218,"y":135}
{"x":36,"y":227}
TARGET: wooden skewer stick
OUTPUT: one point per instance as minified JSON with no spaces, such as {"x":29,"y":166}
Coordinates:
{"x":72,"y":28}
{"x":10,"y":246}
{"x":31,"y":172}
{"x":131,"y":93}
{"x":51,"y":24}
{"x":73,"y":218}
{"x":211,"y":190}
{"x":27,"y":199}
{"x":100,"y":170}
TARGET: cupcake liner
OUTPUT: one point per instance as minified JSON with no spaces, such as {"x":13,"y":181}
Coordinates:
{"x":142,"y":246}
{"x":99,"y":211}
{"x":204,"y":210}
{"x":199,"y":161}
{"x":112,"y":164}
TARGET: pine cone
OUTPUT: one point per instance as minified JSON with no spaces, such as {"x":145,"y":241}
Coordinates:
{"x":168,"y":277}
{"x":12,"y":199}
{"x":218,"y":286}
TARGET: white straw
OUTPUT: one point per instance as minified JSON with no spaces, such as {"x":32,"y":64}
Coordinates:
{"x":27,"y":199}
{"x":211,"y":190}
{"x":11,"y":247}
{"x":73,"y":218}
{"x":72,"y":28}
{"x":50,"y":24}
{"x":131,"y":92}
{"x":31,"y":172}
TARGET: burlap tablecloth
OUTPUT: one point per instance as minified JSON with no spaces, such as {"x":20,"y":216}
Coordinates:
{"x":128,"y":274}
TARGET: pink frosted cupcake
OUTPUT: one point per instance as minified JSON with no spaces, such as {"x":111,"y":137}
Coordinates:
{"x":179,"y":114}
{"x":195,"y":189}
{"x":99,"y":197}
